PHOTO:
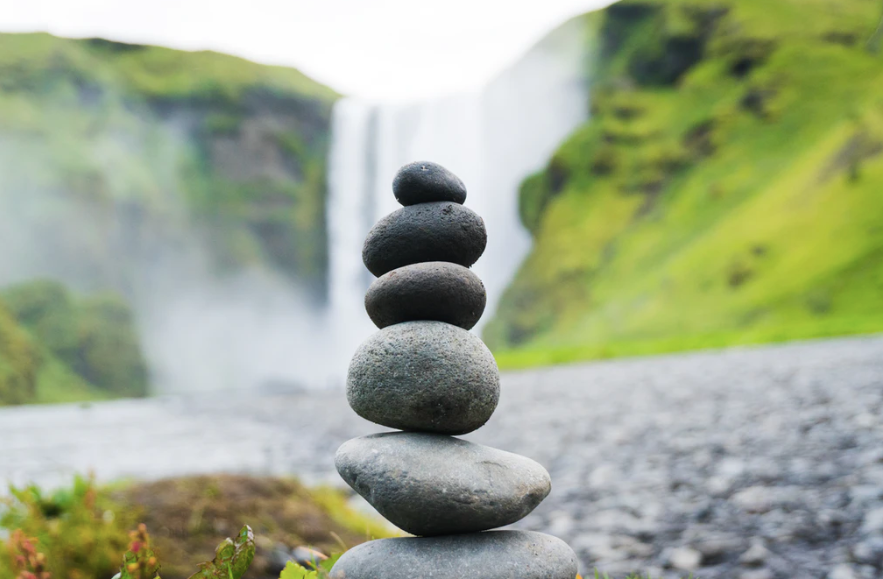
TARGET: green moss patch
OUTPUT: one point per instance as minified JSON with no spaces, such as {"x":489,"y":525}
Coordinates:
{"x":731,"y":198}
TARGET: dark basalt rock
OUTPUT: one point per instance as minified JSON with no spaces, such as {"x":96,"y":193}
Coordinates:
{"x":435,"y":290}
{"x":491,"y":555}
{"x":425,"y":182}
{"x":431,"y":484}
{"x":424,"y":376}
{"x":441,"y":231}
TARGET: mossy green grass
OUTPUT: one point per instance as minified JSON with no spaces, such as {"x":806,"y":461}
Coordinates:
{"x":734,"y":202}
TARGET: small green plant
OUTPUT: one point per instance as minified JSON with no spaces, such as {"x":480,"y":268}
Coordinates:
{"x":232,"y":558}
{"x":140,"y":561}
{"x":80,"y":531}
{"x":318,"y":570}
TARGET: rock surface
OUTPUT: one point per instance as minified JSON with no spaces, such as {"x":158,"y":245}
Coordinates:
{"x":645,"y":453}
{"x":426,"y":376}
{"x":431,"y":484}
{"x":436,"y":290}
{"x":441,"y":231}
{"x":491,"y":555}
{"x":425,"y":182}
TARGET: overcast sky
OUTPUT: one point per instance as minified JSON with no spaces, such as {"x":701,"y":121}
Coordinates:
{"x":383,"y":49}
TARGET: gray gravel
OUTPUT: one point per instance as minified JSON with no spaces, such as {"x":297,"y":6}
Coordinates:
{"x":756,"y":463}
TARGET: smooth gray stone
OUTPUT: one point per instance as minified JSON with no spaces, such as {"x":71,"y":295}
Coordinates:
{"x":424,"y":376}
{"x":431,"y":484}
{"x":491,"y":555}
{"x":441,"y":231}
{"x":435,"y":290}
{"x":425,"y":182}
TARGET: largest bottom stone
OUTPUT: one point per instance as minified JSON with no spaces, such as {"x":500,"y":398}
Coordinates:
{"x":488,"y":555}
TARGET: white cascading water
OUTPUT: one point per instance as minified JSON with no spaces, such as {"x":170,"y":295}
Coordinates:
{"x":492,"y":139}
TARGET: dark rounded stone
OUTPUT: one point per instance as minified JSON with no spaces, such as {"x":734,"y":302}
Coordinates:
{"x":424,"y":376}
{"x":491,"y":555}
{"x":442,"y":231}
{"x":425,"y":182}
{"x":435,"y":290}
{"x":431,"y":484}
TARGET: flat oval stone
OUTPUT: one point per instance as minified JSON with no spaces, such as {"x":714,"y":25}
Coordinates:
{"x":491,"y":555}
{"x":435,"y":290}
{"x":441,"y":231}
{"x":425,"y":182}
{"x":431,"y":484}
{"x":424,"y":376}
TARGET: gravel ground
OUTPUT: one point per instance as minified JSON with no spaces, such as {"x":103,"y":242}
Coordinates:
{"x":758,"y":463}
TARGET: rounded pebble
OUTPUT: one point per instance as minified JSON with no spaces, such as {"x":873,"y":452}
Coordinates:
{"x":431,"y":484}
{"x":435,"y":290}
{"x":441,"y":231}
{"x":425,"y":376}
{"x":491,"y":555}
{"x":425,"y":182}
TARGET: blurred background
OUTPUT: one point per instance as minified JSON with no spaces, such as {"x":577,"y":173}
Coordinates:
{"x":185,"y":188}
{"x":654,"y":177}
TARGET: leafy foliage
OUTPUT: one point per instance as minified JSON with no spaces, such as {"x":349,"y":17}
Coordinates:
{"x":725,"y":190}
{"x":196,"y":513}
{"x":232,"y":558}
{"x":74,"y":539}
{"x":26,"y":560}
{"x":316,"y":570}
{"x":140,"y":561}
{"x":81,"y":532}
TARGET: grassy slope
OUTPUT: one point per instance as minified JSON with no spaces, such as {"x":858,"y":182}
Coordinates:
{"x":56,"y":347}
{"x":130,"y":132}
{"x":719,"y":196}
{"x":152,"y":71}
{"x":30,"y":374}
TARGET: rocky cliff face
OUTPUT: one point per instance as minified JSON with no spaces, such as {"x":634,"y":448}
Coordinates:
{"x":191,"y":184}
{"x":724,"y":191}
{"x":116,"y":157}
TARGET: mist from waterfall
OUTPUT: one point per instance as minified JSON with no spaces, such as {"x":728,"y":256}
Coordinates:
{"x":253,"y":329}
{"x":492,"y":139}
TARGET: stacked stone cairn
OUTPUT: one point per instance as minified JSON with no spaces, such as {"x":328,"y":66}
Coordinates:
{"x":425,"y":374}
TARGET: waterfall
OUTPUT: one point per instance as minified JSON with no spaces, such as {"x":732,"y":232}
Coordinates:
{"x":492,"y":139}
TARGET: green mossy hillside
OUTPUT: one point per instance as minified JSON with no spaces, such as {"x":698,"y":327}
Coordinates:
{"x":57,"y":347}
{"x":126,"y":156}
{"x":20,"y":361}
{"x":727,"y":189}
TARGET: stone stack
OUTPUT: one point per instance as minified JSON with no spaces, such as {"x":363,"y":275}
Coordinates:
{"x":425,"y":374}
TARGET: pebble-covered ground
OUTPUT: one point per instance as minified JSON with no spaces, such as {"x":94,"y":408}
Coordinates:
{"x":749,"y":464}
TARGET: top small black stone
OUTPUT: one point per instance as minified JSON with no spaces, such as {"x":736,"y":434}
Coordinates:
{"x":425,"y":182}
